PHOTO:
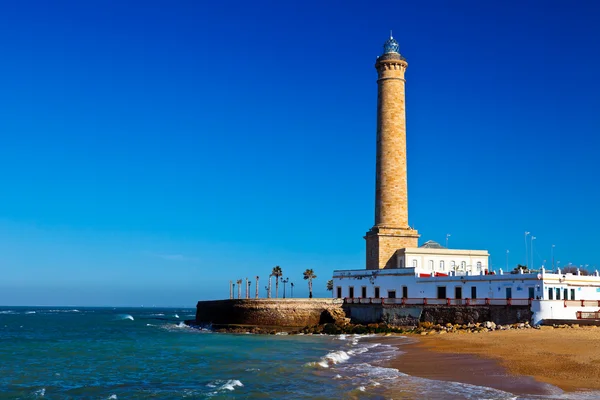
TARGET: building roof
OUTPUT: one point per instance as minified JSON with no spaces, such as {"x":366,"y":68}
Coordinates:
{"x":430,"y":244}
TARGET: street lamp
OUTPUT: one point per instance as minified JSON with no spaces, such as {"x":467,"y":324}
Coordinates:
{"x":292,"y":287}
{"x":526,"y":253}
{"x":286,"y":280}
{"x":532,"y":239}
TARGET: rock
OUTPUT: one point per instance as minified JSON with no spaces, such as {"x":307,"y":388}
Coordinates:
{"x":490,"y":325}
{"x":423,"y":333}
{"x":442,"y":332}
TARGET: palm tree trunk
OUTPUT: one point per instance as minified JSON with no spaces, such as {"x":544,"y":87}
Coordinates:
{"x":256,"y":295}
{"x":276,"y":287}
{"x":247,"y":288}
{"x":269,"y":290}
{"x":310,"y":288}
{"x":230,"y":290}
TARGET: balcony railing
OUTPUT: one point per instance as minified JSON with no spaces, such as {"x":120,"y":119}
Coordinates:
{"x":582,"y":303}
{"x":438,"y":302}
{"x":588,"y":315}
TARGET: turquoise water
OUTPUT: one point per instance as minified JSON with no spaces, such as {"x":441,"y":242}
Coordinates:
{"x":106,"y":353}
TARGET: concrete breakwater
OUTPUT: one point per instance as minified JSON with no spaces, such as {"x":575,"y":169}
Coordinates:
{"x":269,"y":312}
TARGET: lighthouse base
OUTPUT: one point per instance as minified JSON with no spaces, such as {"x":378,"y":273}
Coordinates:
{"x":384,"y":242}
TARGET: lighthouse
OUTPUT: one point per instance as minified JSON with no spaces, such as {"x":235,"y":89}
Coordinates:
{"x":391,"y":230}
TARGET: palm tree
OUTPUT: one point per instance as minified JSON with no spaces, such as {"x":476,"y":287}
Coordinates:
{"x":277,"y":273}
{"x":309,"y":275}
{"x":257,"y":286}
{"x":239,"y":282}
{"x":269,"y":288}
{"x":330,"y":286}
{"x":230,"y":290}
{"x":233,"y":290}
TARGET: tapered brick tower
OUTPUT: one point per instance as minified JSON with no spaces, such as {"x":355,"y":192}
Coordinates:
{"x":391,"y":231}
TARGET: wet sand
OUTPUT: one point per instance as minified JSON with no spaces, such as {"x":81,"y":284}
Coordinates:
{"x":418,"y":360}
{"x":518,"y":361}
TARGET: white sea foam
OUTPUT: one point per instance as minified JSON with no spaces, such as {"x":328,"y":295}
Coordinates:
{"x":124,"y":317}
{"x":112,"y":397}
{"x":229,"y":385}
{"x":7,"y":312}
{"x":40,"y":393}
{"x":362,"y":388}
{"x":30,"y":312}
{"x":176,"y":316}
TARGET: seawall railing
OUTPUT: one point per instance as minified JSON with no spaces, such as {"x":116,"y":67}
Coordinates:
{"x":438,"y":302}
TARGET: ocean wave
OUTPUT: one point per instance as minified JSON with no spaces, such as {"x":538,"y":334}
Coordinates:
{"x":176,"y":316}
{"x":74,"y":310}
{"x":157,"y":315}
{"x":40,"y":393}
{"x":222,"y":385}
{"x":30,"y":312}
{"x":7,"y":312}
{"x":122,"y":317}
{"x":112,"y":397}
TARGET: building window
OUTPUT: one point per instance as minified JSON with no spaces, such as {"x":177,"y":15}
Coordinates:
{"x":405,"y":292}
{"x":391,"y":294}
{"x":463,"y":265}
{"x":442,"y":266}
{"x":452,"y":265}
{"x":377,"y":293}
{"x":401,"y":263}
{"x":363,"y":292}
{"x":572,"y":294}
{"x":557,"y":293}
{"x":351,"y":292}
{"x":339,"y":292}
{"x":473,"y":292}
{"x":414,"y":263}
{"x":478,"y":266}
{"x":441,"y":292}
{"x":550,"y":294}
{"x":566,"y":294}
{"x":431,"y":265}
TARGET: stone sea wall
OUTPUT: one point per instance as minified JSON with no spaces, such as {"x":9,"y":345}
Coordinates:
{"x":412,"y":315}
{"x":308,"y":312}
{"x":269,"y":312}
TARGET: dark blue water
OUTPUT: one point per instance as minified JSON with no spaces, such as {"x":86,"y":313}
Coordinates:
{"x":106,"y":353}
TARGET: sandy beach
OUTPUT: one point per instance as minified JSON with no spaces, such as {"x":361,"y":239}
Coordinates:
{"x":519,"y":361}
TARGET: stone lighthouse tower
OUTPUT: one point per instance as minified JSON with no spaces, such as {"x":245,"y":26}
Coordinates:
{"x":391,"y":230}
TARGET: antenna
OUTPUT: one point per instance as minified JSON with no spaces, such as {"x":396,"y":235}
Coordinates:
{"x":391,"y":37}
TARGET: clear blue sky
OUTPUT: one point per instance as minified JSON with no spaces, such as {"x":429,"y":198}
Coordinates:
{"x":152,"y":151}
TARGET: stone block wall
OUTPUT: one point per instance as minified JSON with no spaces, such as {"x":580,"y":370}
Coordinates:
{"x":267,"y":312}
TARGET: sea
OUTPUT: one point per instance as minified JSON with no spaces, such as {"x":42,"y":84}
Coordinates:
{"x":149,"y":353}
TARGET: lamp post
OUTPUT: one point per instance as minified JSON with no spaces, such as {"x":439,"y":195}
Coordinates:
{"x":292,"y":288}
{"x":284,"y":282}
{"x":526,"y":253}
{"x":532,"y":239}
{"x":447,"y":236}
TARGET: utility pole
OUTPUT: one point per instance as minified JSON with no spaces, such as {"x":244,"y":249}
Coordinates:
{"x":447,"y":236}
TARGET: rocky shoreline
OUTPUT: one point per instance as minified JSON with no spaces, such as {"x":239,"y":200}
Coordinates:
{"x":345,"y":327}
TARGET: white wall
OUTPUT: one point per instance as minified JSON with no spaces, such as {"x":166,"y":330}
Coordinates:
{"x":555,"y":309}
